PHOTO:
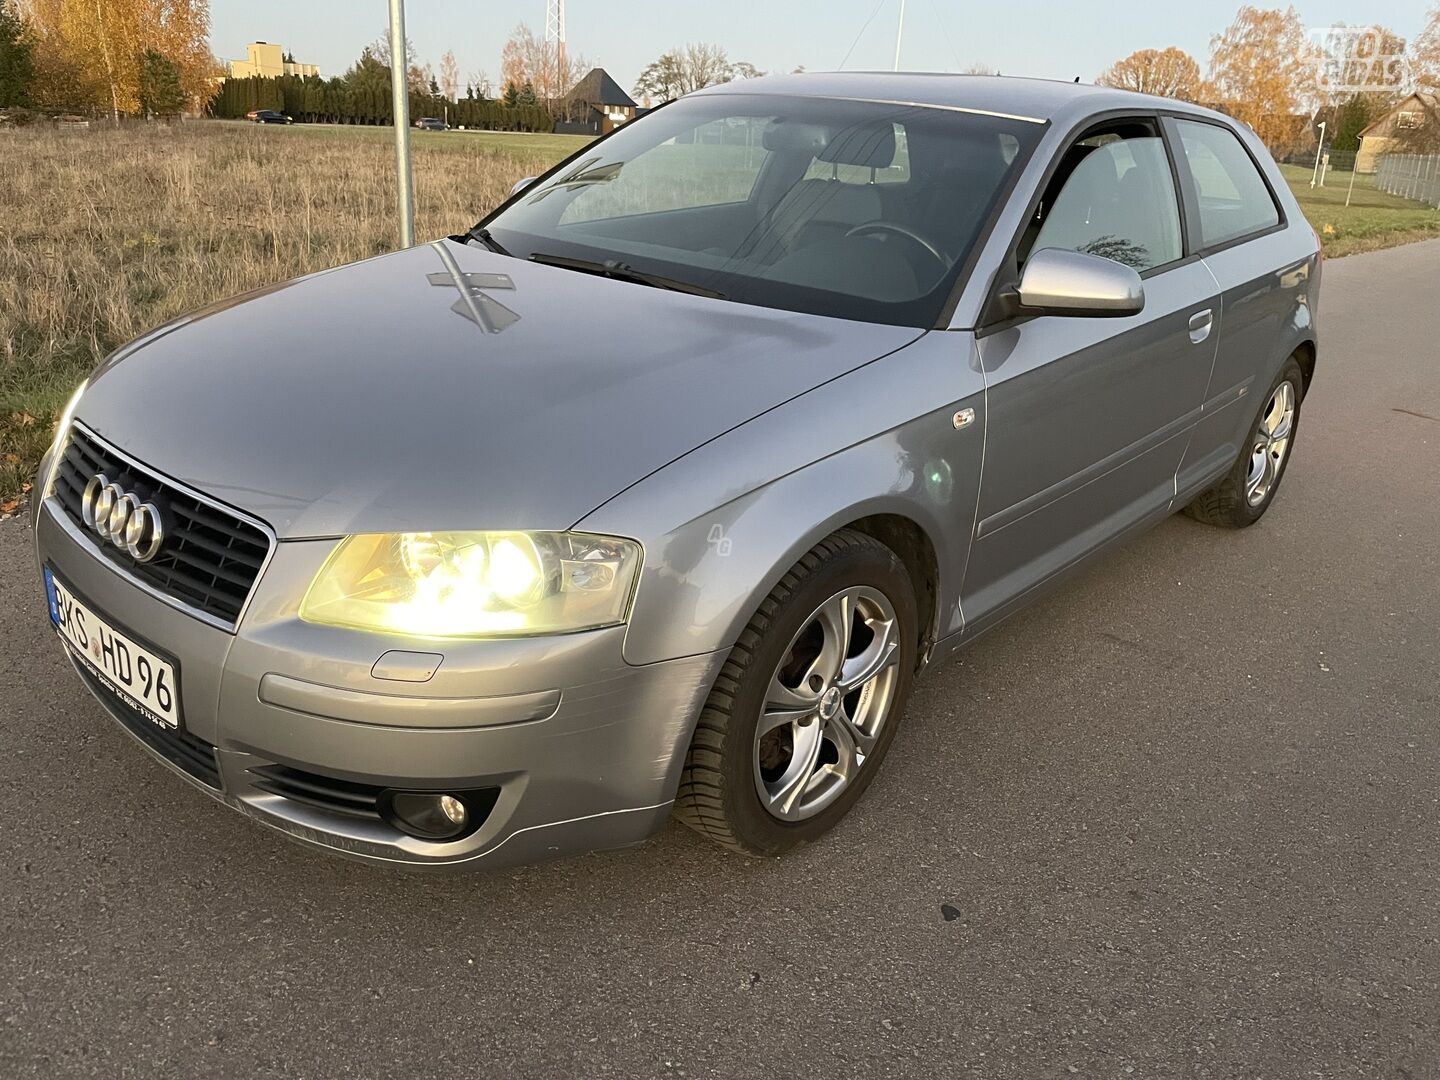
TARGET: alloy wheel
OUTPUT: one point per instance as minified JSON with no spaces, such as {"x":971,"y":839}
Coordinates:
{"x":1272,"y":442}
{"x":826,"y":703}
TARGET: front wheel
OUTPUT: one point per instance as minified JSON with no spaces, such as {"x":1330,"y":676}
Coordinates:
{"x":1247,"y":490}
{"x":807,"y":703}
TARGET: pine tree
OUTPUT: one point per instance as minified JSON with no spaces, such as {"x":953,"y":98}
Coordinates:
{"x":160,"y":91}
{"x":17,"y":60}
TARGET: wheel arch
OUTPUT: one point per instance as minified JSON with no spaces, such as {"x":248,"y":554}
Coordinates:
{"x":710,"y":577}
{"x":912,"y":544}
{"x":1305,"y":355}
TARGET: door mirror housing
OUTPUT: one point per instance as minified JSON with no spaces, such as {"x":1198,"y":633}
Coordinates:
{"x":521,"y":186}
{"x":1060,"y":282}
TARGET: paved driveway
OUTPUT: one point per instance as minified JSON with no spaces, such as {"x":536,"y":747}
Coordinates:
{"x":1178,"y":819}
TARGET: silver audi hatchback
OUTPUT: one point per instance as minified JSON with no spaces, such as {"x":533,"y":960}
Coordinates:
{"x":653,"y":492}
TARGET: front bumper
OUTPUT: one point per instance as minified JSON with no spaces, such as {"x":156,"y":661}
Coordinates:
{"x":581,"y":750}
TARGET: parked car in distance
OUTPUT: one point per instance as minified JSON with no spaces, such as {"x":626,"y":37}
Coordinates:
{"x":430,"y":123}
{"x":654,"y":491}
{"x":268,"y":116}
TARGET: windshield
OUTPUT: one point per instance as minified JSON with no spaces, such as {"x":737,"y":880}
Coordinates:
{"x":859,"y":210}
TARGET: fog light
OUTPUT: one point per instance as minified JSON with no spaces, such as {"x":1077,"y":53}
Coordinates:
{"x":453,"y":809}
{"x":426,"y":815}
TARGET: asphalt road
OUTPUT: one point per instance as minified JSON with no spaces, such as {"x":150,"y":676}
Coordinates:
{"x":1178,"y":819}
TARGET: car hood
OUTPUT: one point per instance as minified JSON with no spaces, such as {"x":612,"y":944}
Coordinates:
{"x":446,"y":387}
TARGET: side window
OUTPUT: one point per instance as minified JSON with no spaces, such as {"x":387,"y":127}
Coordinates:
{"x":1113,"y":197}
{"x":1234,"y":200}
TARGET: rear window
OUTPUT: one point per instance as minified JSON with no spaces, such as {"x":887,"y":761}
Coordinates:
{"x":1234,"y":200}
{"x":897,"y":172}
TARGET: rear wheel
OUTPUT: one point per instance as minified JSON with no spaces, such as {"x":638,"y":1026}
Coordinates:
{"x":807,"y":703}
{"x":1247,"y":490}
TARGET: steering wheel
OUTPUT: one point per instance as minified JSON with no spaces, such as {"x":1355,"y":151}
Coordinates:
{"x":902,"y":231}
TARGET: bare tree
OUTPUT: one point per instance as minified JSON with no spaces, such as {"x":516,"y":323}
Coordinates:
{"x":546,"y":67}
{"x":478,"y":84}
{"x":418,"y":77}
{"x":703,"y":65}
{"x":683,"y":71}
{"x":449,"y":76}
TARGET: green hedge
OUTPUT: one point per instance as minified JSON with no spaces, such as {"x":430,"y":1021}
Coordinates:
{"x":331,"y":101}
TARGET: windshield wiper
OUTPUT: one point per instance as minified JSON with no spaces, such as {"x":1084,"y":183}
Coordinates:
{"x":483,"y":235}
{"x":613,"y":268}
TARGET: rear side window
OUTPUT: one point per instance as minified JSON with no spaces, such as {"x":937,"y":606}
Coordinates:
{"x":1234,"y":200}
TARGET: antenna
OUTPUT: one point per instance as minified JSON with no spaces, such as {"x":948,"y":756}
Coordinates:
{"x":899,"y":35}
{"x":555,"y":22}
{"x":555,"y":35}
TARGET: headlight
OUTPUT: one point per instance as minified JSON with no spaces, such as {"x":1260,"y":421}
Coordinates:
{"x":474,"y":584}
{"x":62,"y":429}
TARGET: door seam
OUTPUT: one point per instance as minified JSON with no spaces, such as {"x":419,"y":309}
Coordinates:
{"x":1209,"y":382}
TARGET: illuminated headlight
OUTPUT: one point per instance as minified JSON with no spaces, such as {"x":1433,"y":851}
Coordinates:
{"x":62,"y":429}
{"x":475,"y":584}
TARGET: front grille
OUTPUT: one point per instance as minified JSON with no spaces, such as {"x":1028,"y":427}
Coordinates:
{"x":209,"y":559}
{"x":322,"y":792}
{"x":187,"y":752}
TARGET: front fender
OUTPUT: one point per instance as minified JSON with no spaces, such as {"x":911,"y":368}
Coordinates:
{"x":723,"y":524}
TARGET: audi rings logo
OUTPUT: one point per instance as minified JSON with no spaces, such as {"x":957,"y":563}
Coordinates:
{"x":122,"y":518}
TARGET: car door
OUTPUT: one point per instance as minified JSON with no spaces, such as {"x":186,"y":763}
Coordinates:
{"x":1087,"y":418}
{"x":1263,"y":271}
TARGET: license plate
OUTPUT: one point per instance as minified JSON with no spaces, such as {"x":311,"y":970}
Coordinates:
{"x":137,"y":675}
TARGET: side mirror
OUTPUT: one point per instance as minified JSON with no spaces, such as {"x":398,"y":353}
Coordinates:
{"x":521,"y":186}
{"x":1060,"y":282}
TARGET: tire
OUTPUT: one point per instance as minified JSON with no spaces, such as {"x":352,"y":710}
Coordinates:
{"x":1233,"y":503}
{"x":720,"y":792}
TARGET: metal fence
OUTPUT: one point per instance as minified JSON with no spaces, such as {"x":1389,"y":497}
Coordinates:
{"x":1338,"y":160}
{"x":1413,"y":176}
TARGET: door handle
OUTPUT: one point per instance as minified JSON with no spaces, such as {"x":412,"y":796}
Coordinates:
{"x":1200,"y":324}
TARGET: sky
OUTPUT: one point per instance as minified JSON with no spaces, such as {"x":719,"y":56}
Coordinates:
{"x":1016,"y":37}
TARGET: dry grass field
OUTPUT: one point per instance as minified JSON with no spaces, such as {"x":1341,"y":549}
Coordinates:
{"x":104,"y":234}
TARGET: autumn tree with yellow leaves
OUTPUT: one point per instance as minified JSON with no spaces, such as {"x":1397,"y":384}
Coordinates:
{"x":1425,"y":56}
{"x":1261,"y":70}
{"x":1168,"y":72}
{"x":90,"y":54}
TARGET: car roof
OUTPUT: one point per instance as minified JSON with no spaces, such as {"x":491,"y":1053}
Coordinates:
{"x":1031,"y":99}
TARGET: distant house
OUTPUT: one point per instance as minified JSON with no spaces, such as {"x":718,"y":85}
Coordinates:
{"x":1410,"y":117}
{"x":596,"y":106}
{"x":267,"y":61}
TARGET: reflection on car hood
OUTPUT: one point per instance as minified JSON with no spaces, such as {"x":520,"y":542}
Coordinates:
{"x":445,"y":387}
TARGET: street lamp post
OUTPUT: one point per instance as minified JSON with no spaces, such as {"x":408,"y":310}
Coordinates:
{"x":1316,"y":171}
{"x":400,"y":91}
